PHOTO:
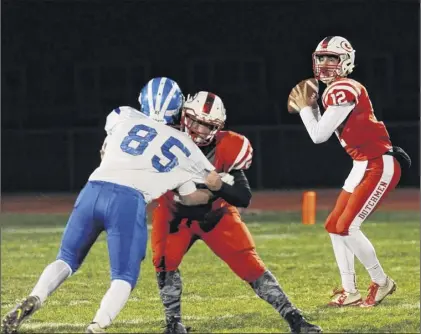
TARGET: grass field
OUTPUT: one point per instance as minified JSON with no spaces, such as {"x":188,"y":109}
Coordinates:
{"x":214,"y":299}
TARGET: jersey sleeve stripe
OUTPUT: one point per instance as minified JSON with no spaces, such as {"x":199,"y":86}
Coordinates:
{"x":242,"y":153}
{"x":244,"y":162}
{"x":247,"y":156}
{"x":354,"y":85}
{"x":348,"y":83}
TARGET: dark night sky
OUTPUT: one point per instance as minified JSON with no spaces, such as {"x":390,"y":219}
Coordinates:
{"x":66,"y":64}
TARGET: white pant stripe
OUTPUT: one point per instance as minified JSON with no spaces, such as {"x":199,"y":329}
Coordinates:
{"x":377,"y":194}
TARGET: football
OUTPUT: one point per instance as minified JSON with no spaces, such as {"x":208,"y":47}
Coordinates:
{"x":310,"y":87}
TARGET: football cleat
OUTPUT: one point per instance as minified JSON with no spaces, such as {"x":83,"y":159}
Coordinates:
{"x":343,"y":298}
{"x":14,"y":319}
{"x":174,"y":326}
{"x":377,"y":293}
{"x":94,"y":327}
{"x":298,"y":324}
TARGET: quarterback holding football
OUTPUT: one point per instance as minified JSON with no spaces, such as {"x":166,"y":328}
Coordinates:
{"x":376,"y":164}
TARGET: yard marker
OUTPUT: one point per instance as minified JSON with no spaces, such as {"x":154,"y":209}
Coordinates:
{"x":309,"y":208}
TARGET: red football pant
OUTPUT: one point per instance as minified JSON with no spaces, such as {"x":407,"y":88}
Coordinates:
{"x":381,"y":176}
{"x":230,"y":240}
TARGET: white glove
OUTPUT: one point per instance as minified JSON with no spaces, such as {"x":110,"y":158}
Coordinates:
{"x":227,"y":178}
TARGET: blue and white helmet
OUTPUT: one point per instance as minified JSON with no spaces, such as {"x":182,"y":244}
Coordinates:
{"x":161,"y":99}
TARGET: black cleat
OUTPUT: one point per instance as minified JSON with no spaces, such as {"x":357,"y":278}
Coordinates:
{"x":14,"y":319}
{"x":174,"y":326}
{"x":298,"y":324}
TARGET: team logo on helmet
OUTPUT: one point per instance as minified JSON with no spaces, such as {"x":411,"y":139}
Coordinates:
{"x":346,"y":46}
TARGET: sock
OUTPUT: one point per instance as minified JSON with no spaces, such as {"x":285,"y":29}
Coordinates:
{"x":345,"y":260}
{"x":170,"y":289}
{"x":364,"y":251}
{"x":51,"y":278}
{"x":113,"y":302}
{"x":268,"y":288}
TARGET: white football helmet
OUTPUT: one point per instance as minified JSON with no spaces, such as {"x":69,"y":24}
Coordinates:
{"x":337,"y":46}
{"x":203,"y":116}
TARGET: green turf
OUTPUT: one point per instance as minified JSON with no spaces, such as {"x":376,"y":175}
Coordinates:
{"x":214,"y":299}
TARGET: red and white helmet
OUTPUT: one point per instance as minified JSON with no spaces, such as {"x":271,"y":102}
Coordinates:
{"x":337,"y":46}
{"x":203,"y":116}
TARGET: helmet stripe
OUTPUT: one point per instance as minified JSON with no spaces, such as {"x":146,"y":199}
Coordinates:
{"x":159,"y":93}
{"x":169,"y":97}
{"x":326,"y":41}
{"x":208,"y":103}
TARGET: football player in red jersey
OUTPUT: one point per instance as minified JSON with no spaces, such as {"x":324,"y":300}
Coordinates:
{"x":175,"y":227}
{"x":376,"y":166}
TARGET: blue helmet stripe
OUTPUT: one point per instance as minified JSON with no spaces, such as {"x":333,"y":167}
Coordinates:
{"x":160,"y":93}
{"x":170,"y":95}
{"x":161,"y":99}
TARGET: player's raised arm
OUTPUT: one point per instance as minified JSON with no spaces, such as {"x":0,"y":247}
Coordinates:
{"x":320,"y":131}
{"x":303,"y":99}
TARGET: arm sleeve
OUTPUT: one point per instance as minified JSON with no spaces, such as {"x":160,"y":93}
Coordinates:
{"x":322,"y":130}
{"x":238,"y":194}
{"x":317,"y":114}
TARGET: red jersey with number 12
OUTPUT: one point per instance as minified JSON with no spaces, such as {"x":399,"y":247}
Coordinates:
{"x":361,"y":134}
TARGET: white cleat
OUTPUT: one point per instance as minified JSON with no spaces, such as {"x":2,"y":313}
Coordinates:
{"x":377,"y":293}
{"x":343,"y":298}
{"x":94,"y":327}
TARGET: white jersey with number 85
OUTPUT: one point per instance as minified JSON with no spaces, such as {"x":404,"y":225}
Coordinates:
{"x":149,"y":156}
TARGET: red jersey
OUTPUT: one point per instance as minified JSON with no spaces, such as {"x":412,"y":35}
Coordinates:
{"x":229,"y":151}
{"x":232,"y":151}
{"x":361,"y":134}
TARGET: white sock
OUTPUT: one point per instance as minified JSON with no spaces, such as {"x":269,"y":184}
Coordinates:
{"x":113,"y":302}
{"x":345,"y":260}
{"x":51,"y":278}
{"x":364,"y":251}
